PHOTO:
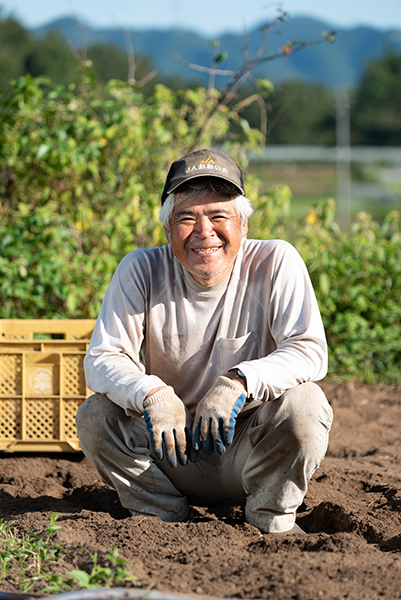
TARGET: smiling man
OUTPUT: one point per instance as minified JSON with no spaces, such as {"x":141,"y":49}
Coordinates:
{"x":202,"y":362}
{"x":206,"y":237}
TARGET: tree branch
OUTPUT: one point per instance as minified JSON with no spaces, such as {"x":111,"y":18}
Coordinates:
{"x":239,"y":77}
{"x":207,"y":70}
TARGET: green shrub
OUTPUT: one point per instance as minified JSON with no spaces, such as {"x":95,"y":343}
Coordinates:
{"x":357,"y":278}
{"x":81,"y":172}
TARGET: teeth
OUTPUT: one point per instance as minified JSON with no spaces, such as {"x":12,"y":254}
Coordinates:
{"x":205,"y":250}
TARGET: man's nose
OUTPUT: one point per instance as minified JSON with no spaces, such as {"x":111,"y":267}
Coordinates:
{"x":203,"y":227}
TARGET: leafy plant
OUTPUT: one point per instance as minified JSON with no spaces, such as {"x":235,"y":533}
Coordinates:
{"x":6,"y":554}
{"x":81,"y":173}
{"x":82,"y":168}
{"x":23,"y":558}
{"x":27,"y":558}
{"x":357,"y":278}
{"x":99,"y":576}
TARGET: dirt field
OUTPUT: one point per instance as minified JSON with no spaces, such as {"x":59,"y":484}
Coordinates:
{"x":352,"y":514}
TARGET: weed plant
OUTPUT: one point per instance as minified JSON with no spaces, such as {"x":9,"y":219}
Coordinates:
{"x":28,"y":561}
{"x":356,"y":275}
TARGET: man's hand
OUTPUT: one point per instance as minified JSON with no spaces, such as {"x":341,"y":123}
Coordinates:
{"x":214,"y":422}
{"x":169,"y":424}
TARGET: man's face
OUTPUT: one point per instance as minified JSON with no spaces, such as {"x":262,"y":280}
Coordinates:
{"x":205,"y":235}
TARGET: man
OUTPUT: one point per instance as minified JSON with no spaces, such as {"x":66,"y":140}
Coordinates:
{"x":202,"y":360}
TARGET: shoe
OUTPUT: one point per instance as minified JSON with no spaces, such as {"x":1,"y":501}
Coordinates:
{"x":295,"y":530}
{"x":189,"y":517}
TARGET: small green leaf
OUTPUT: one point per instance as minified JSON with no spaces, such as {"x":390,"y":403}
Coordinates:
{"x":220,"y":57}
{"x":324,"y":283}
{"x":43,"y":148}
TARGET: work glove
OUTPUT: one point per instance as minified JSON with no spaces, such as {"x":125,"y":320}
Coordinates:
{"x":215,"y":416}
{"x":169,"y":425}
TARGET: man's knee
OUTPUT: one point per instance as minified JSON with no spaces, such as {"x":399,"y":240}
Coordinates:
{"x":95,"y":416}
{"x":302,"y":411}
{"x":102,"y":423}
{"x":308,"y":399}
{"x":311,"y":417}
{"x":93,"y":412}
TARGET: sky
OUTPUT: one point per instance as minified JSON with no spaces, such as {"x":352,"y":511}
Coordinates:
{"x":205,"y":16}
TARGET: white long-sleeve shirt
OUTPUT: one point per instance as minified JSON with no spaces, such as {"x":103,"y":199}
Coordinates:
{"x":158,"y":326}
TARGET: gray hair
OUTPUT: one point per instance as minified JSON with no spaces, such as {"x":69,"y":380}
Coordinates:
{"x":242,"y":204}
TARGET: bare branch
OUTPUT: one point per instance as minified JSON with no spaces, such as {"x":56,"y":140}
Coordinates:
{"x":280,"y":113}
{"x":75,"y":53}
{"x":246,"y":102}
{"x":132,"y":66}
{"x":82,"y":27}
{"x":130,"y":56}
{"x":212,"y":76}
{"x":245,"y":47}
{"x":263,"y":117}
{"x":242,"y":73}
{"x":266,"y":38}
{"x":129,"y":48}
{"x":207,"y":70}
{"x":147,"y":78}
{"x":239,"y":77}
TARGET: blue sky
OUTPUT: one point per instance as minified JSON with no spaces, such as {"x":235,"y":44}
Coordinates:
{"x":206,"y":17}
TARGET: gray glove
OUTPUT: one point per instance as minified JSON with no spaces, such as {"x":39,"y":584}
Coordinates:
{"x":214,"y":422}
{"x":169,"y":424}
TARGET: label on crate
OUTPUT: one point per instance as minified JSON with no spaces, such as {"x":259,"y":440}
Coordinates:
{"x":41,"y":381}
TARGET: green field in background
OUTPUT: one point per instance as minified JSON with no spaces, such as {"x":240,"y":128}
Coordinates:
{"x":313,"y":182}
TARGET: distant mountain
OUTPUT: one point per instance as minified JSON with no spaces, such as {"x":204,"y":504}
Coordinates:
{"x":339,"y":64}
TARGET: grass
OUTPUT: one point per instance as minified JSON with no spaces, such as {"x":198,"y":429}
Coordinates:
{"x":309,"y":183}
{"x":29,"y":560}
{"x":22,"y":558}
{"x":313,"y":182}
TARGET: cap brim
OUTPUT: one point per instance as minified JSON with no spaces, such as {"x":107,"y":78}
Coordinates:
{"x":176,"y":185}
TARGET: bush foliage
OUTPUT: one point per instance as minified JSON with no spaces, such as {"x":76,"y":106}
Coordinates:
{"x":81,"y":172}
{"x":82,"y":169}
{"x":357,"y":278}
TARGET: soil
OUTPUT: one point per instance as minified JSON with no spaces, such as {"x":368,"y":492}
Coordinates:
{"x":351,"y":513}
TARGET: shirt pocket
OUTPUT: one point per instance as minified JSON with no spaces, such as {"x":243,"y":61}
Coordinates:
{"x":232,"y":351}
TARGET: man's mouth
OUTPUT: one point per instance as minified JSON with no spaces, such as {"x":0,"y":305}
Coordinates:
{"x":206,"y":250}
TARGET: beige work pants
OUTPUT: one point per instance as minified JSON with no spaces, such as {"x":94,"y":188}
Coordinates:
{"x":266,"y":469}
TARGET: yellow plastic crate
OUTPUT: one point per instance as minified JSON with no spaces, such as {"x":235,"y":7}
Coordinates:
{"x":42,"y":383}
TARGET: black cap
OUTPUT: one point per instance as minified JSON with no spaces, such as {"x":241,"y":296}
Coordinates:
{"x":203,"y":163}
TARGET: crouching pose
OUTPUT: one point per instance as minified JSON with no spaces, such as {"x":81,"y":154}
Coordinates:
{"x":203,"y":360}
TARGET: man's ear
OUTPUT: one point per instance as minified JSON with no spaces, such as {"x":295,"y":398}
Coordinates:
{"x":167,"y":232}
{"x":244,"y":228}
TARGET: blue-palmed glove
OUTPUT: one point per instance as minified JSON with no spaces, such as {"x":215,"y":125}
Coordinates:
{"x":214,"y":422}
{"x":169,"y":424}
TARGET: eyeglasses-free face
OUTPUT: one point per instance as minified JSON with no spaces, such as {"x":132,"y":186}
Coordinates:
{"x":205,"y":235}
